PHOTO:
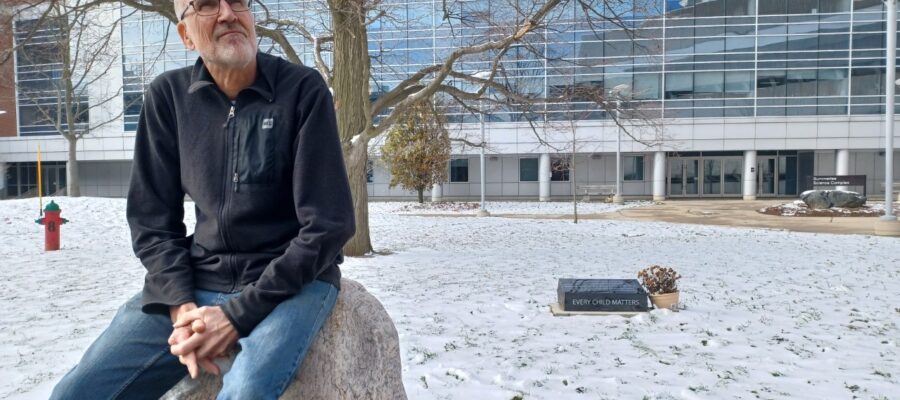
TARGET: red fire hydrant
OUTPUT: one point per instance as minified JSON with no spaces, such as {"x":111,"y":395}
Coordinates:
{"x":51,"y":222}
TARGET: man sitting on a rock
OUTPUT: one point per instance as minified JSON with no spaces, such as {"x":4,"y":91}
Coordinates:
{"x":252,"y":139}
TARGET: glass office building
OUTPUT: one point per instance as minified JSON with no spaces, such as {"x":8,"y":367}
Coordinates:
{"x":728,"y":98}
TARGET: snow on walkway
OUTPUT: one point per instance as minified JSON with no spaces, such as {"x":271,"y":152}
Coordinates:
{"x":770,"y":314}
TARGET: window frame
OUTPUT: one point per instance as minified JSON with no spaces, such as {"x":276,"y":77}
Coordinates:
{"x":537,"y":177}
{"x":450,"y":175}
{"x":557,"y":174}
{"x":625,"y":162}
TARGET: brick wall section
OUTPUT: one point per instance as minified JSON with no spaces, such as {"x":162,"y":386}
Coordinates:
{"x":7,"y":79}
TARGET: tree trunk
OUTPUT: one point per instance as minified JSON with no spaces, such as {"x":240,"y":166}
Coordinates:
{"x":351,"y":103}
{"x":421,"y":196}
{"x":360,"y":243}
{"x":73,"y":187}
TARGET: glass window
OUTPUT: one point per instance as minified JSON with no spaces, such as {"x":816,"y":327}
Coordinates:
{"x":633,"y":168}
{"x":867,"y":81}
{"x":770,"y":83}
{"x":832,"y":82}
{"x":834,"y":42}
{"x":868,"y":5}
{"x":612,"y":80}
{"x":646,"y":86}
{"x":459,"y":170}
{"x":868,"y":41}
{"x":739,"y":7}
{"x":679,"y":85}
{"x":833,"y":6}
{"x":737,"y":44}
{"x":528,"y":169}
{"x":679,"y":46}
{"x":801,"y":83}
{"x":772,"y":43}
{"x":709,"y":8}
{"x":772,"y":7}
{"x":803,"y":43}
{"x":738,"y":83}
{"x":559,"y":170}
{"x":802,"y":6}
{"x":617,"y":48}
{"x":709,"y":84}
{"x":131,"y":33}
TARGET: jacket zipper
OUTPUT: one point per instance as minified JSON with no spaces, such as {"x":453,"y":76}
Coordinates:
{"x":228,"y":126}
{"x":235,"y":178}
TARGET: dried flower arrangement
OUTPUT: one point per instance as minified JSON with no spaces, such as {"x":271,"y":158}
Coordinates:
{"x":659,"y":280}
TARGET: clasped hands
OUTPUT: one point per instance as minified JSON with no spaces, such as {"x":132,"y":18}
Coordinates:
{"x":199,"y":336}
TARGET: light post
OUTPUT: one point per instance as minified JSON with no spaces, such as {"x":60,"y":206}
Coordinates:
{"x":887,"y":224}
{"x":482,"y":210}
{"x":617,"y":92}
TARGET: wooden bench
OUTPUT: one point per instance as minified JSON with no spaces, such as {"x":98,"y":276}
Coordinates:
{"x":596,"y":190}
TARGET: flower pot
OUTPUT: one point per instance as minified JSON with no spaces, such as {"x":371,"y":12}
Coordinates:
{"x":665,"y":300}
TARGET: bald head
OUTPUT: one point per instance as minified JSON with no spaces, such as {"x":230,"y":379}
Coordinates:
{"x":178,"y":5}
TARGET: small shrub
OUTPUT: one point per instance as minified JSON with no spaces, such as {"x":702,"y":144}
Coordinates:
{"x":659,"y":280}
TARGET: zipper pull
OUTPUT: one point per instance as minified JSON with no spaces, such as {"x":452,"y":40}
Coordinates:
{"x":230,"y":116}
{"x":235,"y":178}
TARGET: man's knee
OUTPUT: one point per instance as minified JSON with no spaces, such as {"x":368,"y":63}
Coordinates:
{"x":254,"y":385}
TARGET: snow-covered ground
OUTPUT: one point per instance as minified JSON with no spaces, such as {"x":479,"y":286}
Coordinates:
{"x":769,"y":314}
{"x":499,"y":207}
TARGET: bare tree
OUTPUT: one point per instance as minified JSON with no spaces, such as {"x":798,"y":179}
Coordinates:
{"x":483,"y":34}
{"x":65,"y":52}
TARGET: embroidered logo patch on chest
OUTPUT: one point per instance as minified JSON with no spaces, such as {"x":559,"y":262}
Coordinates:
{"x":267,"y":123}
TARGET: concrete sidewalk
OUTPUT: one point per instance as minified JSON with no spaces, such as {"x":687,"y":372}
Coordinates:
{"x":728,"y":213}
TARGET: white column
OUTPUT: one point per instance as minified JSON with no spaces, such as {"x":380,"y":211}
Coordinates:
{"x":750,"y":175}
{"x":544,"y":177}
{"x":842,"y":165}
{"x":659,"y":176}
{"x":437,"y":193}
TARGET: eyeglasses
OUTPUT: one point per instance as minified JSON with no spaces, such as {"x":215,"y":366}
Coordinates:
{"x":207,"y":8}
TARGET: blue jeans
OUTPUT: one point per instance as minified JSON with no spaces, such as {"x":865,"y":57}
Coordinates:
{"x":131,"y":358}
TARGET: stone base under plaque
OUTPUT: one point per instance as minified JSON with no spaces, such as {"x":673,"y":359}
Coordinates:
{"x":558,"y":311}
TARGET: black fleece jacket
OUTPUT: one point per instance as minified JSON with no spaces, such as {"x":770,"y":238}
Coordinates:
{"x":267,"y":178}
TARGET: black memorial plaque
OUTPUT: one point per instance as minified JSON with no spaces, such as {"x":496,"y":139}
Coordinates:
{"x":612,"y":295}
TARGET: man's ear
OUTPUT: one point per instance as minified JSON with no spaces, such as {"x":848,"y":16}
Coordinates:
{"x":182,"y":32}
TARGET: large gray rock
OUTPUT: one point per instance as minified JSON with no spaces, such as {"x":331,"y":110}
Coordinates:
{"x":823,"y":199}
{"x":355,"y":356}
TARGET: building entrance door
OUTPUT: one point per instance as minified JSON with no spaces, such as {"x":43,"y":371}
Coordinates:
{"x":705,"y":176}
{"x":684,"y":177}
{"x":712,"y":177}
{"x":765,"y":167}
{"x":778,"y":175}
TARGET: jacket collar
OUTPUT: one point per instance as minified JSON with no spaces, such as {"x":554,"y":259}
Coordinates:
{"x":266,"y":71}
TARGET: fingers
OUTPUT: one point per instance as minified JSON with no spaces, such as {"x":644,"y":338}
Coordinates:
{"x":190,"y":361}
{"x":179,"y":334}
{"x":198,"y":326}
{"x":188,"y":345}
{"x":189,"y":317}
